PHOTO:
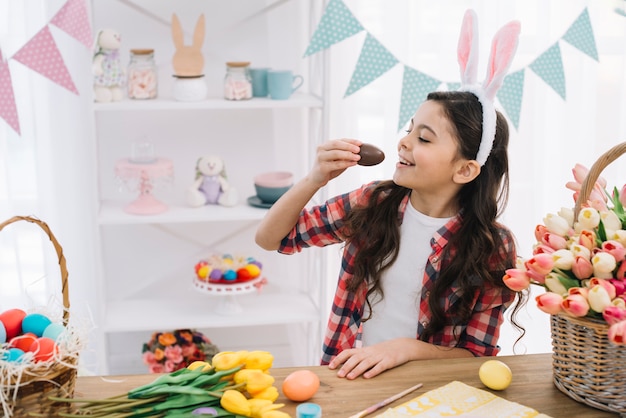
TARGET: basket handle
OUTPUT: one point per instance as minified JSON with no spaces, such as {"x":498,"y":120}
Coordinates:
{"x":62,"y":262}
{"x":594,"y":172}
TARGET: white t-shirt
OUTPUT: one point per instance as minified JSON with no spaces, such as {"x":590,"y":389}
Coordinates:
{"x":397,"y":314}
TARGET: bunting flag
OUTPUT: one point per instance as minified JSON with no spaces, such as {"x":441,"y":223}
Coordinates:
{"x":73,"y":19}
{"x":8,"y":111}
{"x":549,"y":66}
{"x":42,"y":55}
{"x":374,"y":61}
{"x":510,"y":95}
{"x":415,"y":87}
{"x":338,"y":23}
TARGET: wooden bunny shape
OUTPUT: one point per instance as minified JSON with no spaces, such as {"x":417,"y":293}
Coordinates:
{"x":188,"y":60}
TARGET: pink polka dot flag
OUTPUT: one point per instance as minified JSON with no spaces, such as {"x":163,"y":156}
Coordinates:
{"x":8,"y":111}
{"x":42,"y":55}
{"x":74,"y":20}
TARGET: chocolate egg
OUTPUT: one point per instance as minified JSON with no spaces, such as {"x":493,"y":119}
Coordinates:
{"x":370,"y":155}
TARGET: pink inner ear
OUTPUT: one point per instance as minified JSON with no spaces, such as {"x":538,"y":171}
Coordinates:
{"x":502,"y":51}
{"x":467,"y":49}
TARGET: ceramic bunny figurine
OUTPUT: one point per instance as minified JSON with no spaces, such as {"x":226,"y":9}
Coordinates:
{"x":188,"y":60}
{"x":107,"y":68}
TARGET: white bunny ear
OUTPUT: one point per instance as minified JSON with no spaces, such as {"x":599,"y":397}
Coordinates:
{"x":503,"y":49}
{"x":467,"y":50}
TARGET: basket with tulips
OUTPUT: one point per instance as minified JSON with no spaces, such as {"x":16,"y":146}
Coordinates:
{"x":580,"y":260}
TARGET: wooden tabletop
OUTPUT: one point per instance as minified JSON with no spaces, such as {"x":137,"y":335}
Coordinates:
{"x":532,"y":386}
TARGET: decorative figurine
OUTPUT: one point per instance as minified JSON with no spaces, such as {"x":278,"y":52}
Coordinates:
{"x":107,"y":68}
{"x":211,"y":185}
{"x":188,"y":60}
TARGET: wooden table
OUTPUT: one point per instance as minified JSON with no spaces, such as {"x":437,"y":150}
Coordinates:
{"x":532,"y":386}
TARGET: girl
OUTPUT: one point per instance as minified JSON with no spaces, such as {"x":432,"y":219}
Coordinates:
{"x":423,"y":258}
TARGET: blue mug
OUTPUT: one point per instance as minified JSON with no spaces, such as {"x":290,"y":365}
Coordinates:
{"x":259,"y":81}
{"x":282,"y":84}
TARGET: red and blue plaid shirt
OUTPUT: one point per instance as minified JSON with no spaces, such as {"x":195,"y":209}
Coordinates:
{"x":322,"y":225}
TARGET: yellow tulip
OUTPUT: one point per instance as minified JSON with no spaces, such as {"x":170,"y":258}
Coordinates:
{"x":242,"y":376}
{"x":225,"y":360}
{"x":275,"y":414}
{"x":257,"y":381}
{"x":260,"y":406}
{"x":270,"y":394}
{"x":235,"y":402}
{"x":202,"y":365}
{"x":261,"y":360}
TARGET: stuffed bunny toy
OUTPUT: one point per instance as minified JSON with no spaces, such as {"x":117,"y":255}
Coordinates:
{"x":107,"y":68}
{"x":188,"y":60}
{"x":211,"y":185}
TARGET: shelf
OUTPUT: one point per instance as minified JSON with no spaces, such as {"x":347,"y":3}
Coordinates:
{"x":195,"y":310}
{"x":298,"y":100}
{"x":112,"y":213}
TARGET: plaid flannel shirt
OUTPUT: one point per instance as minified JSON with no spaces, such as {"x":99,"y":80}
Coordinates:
{"x":322,"y":225}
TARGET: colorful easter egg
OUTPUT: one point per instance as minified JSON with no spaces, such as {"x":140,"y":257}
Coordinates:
{"x":53,"y":331}
{"x":230,"y":275}
{"x":254,"y":270}
{"x":243,"y":274}
{"x":3,"y":333}
{"x":215,"y":274}
{"x":12,"y":355}
{"x":43,"y":348}
{"x":23,"y":342}
{"x":203,"y":272}
{"x":35,"y":323}
{"x":12,"y":320}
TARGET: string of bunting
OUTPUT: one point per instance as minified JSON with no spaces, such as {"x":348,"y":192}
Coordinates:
{"x":338,"y":23}
{"x":42,"y":55}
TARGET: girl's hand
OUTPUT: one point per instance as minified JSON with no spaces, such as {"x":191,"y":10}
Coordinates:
{"x":333,"y":158}
{"x":373,"y":360}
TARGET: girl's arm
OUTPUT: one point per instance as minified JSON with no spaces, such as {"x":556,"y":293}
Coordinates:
{"x":333,"y":158}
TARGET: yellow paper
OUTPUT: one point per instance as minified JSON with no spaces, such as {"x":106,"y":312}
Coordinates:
{"x":456,"y":399}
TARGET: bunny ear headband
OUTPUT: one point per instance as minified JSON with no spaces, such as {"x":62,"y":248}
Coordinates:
{"x":503,"y":49}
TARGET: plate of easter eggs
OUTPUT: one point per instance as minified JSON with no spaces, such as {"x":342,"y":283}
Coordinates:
{"x":228,"y":275}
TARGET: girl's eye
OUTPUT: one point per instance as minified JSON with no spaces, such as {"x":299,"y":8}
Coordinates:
{"x":423,"y":139}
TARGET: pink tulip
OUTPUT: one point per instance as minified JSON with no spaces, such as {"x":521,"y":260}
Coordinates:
{"x":536,"y":277}
{"x":580,"y":172}
{"x":542,"y":249}
{"x":549,"y":303}
{"x":540,"y":263}
{"x":516,"y":279}
{"x":617,"y":333}
{"x":575,"y":305}
{"x":606,"y":284}
{"x":614,"y":314}
{"x":540,"y":230}
{"x":614,"y":248}
{"x":582,"y":267}
{"x":619,"y":285}
{"x":622,"y":196}
{"x":587,"y":239}
{"x":554,"y":241}
{"x":621,"y":271}
{"x":583,"y":291}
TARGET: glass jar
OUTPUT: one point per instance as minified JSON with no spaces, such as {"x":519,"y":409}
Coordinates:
{"x":237,"y":82}
{"x":142,"y":74}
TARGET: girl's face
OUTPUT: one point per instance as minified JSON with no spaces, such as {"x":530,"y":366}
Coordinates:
{"x":428,"y":154}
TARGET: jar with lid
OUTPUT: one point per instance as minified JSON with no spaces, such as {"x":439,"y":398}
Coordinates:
{"x":142,"y":78}
{"x":237,"y":82}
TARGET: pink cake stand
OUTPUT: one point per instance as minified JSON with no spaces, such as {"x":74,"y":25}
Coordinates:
{"x":141,"y":177}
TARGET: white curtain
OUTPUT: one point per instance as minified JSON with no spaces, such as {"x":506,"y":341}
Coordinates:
{"x":47,"y":173}
{"x":553,"y":133}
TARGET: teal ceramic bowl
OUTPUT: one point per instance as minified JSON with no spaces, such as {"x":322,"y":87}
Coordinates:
{"x":272,"y":185}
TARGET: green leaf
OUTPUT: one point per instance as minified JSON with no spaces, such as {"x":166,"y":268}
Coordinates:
{"x":601,"y":233}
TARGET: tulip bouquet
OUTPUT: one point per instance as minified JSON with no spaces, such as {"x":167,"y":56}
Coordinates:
{"x":581,"y":261}
{"x":170,"y":351}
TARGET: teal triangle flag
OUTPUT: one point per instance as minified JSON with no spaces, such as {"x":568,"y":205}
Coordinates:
{"x":374,"y":61}
{"x":580,"y":35}
{"x":415,"y":88}
{"x":337,"y":23}
{"x":510,"y":95}
{"x":549,"y":66}
{"x":453,"y":86}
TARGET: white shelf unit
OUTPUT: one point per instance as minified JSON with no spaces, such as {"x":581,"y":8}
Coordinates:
{"x":146,"y":262}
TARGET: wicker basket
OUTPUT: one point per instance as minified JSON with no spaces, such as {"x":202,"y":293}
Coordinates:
{"x":586,"y":365}
{"x":37,"y":383}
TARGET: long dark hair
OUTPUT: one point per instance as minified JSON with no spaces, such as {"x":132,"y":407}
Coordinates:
{"x":375,"y":227}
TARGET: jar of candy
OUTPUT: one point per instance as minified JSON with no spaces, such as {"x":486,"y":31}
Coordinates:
{"x":142,"y":74}
{"x":237,"y":82}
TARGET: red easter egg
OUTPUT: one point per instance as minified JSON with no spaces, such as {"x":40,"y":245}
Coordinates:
{"x":23,"y":342}
{"x":12,"y":320}
{"x":44,"y":348}
{"x":200,"y":264}
{"x":243,"y":275}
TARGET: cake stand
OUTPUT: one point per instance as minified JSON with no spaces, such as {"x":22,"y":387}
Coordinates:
{"x":141,"y":177}
{"x":228,"y":304}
